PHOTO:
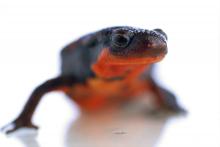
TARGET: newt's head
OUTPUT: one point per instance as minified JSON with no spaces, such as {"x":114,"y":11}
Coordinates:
{"x":128,"y":45}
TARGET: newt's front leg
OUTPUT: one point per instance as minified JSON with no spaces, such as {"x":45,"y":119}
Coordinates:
{"x":164,"y":98}
{"x":24,"y":119}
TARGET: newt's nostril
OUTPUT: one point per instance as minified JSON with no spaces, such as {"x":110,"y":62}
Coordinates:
{"x":151,"y":45}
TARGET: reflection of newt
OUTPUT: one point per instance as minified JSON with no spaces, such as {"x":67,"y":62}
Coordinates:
{"x":109,"y":66}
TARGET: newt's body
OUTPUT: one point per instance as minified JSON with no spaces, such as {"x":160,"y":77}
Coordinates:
{"x":109,"y":66}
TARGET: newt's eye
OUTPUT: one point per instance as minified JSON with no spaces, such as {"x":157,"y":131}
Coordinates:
{"x":120,"y":40}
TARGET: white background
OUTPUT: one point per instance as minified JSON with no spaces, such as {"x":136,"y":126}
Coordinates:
{"x":33,"y":32}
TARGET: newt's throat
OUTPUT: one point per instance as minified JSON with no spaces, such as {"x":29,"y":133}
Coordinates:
{"x":110,"y":66}
{"x":118,"y":71}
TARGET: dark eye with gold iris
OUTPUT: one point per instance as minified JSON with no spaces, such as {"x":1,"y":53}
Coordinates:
{"x":120,"y":40}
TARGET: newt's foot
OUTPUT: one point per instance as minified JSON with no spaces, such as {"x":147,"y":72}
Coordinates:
{"x":170,"y":103}
{"x":177,"y":110}
{"x":17,"y":124}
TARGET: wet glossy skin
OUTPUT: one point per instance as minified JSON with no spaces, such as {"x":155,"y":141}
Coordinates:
{"x":108,"y":67}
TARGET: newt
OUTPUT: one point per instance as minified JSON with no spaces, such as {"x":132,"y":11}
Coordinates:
{"x":112,"y":65}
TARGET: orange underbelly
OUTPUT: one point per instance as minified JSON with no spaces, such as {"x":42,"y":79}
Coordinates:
{"x":97,"y":93}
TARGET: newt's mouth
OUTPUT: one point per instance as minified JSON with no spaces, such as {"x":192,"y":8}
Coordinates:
{"x":125,"y":60}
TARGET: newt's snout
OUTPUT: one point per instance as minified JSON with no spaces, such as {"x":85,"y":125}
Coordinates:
{"x":156,"y":44}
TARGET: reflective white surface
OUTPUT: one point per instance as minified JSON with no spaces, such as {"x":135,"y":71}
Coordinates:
{"x":33,"y":32}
